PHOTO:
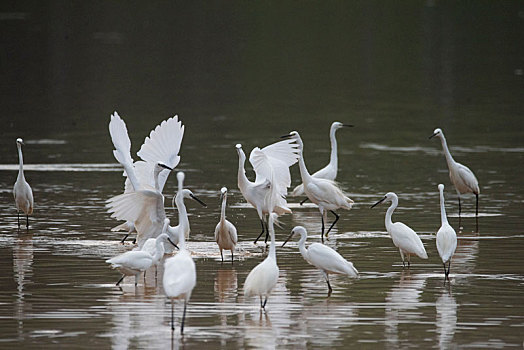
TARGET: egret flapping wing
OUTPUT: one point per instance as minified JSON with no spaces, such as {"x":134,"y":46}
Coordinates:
{"x":122,"y":144}
{"x":273,"y":161}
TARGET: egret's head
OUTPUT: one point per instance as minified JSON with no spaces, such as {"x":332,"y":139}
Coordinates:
{"x":291,"y":135}
{"x":188,"y":194}
{"x":19,"y":141}
{"x":180,"y":176}
{"x":166,"y":224}
{"x":436,"y":132}
{"x":301,"y":230}
{"x":238,"y":146}
{"x":223,"y":190}
{"x":339,"y":125}
{"x":441,"y":187}
{"x":389,"y":196}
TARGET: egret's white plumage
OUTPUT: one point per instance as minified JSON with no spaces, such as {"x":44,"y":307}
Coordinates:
{"x":135,"y":261}
{"x":225,"y":231}
{"x":328,"y":172}
{"x":404,"y":238}
{"x":324,"y":193}
{"x":323,"y":257}
{"x":22,"y":192}
{"x":460,"y":175}
{"x":150,"y":245}
{"x":446,"y":236}
{"x":271,"y":165}
{"x":159,"y":154}
{"x":179,"y":278}
{"x":263,"y":277}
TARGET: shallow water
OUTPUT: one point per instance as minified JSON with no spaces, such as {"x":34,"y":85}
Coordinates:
{"x":246,"y":82}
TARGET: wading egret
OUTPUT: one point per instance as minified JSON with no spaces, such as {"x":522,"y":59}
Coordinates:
{"x":150,"y":246}
{"x":446,"y":236}
{"x":322,"y":257}
{"x":158,"y":152}
{"x":146,"y":209}
{"x":22,"y":191}
{"x":404,"y":238}
{"x":263,"y":278}
{"x":271,"y":165}
{"x":329,"y":171}
{"x":135,"y":261}
{"x":460,"y":175}
{"x":179,"y":278}
{"x":324,"y":193}
{"x":225,"y":231}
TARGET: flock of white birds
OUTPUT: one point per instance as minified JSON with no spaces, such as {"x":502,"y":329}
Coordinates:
{"x":141,"y":206}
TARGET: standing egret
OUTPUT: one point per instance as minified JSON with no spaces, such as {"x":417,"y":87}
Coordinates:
{"x":460,"y":175}
{"x":225,"y":231}
{"x":329,"y":171}
{"x":263,"y":278}
{"x":150,"y":246}
{"x":322,"y":257}
{"x":324,"y":193}
{"x":145,"y":208}
{"x":161,"y":147}
{"x":22,"y":191}
{"x":135,"y":261}
{"x":270,"y":162}
{"x":446,"y":236}
{"x":179,"y":278}
{"x":407,"y":241}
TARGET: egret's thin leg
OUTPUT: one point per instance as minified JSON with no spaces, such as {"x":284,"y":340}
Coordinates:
{"x":183,"y":318}
{"x":267,"y":236}
{"x":261,"y":304}
{"x":449,"y":268}
{"x":172,"y":315}
{"x":264,"y":305}
{"x":445,"y":271}
{"x":329,"y":285}
{"x":477,"y":212}
{"x":27,"y":221}
{"x":221,"y":255}
{"x":409,"y":261}
{"x":322,"y":233}
{"x":18,"y":217}
{"x":261,"y":233}
{"x":156,"y":273}
{"x":124,"y":239}
{"x":304,"y":201}
{"x":334,"y":222}
{"x":134,"y":241}
{"x":402,"y":256}
{"x":136,"y":279}
{"x":460,"y":208}
{"x":120,"y":280}
{"x":231,"y":256}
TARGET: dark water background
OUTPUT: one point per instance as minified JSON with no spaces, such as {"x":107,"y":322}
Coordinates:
{"x":249,"y":72}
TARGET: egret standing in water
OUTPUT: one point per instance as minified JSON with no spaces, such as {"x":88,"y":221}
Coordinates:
{"x":179,"y":278}
{"x":150,"y":246}
{"x":263,"y":278}
{"x":329,"y":171}
{"x":460,"y":175}
{"x":22,"y":191}
{"x":324,"y":193}
{"x":271,"y":165}
{"x":225,"y":231}
{"x":404,"y":238}
{"x":323,"y":257}
{"x":446,"y":236}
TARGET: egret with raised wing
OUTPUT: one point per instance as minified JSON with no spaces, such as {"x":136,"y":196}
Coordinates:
{"x":324,"y":258}
{"x":22,"y":191}
{"x":225,"y":231}
{"x":404,"y":238}
{"x":446,"y":236}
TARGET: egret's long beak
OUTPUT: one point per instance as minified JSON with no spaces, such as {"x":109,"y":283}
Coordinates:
{"x":170,"y":241}
{"x":221,"y":198}
{"x":285,"y":136}
{"x":165,"y":167}
{"x":348,"y":125}
{"x":198,"y":200}
{"x":288,"y":238}
{"x":380,"y":201}
{"x":432,"y":136}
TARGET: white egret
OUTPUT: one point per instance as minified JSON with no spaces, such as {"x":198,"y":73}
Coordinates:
{"x":270,"y":162}
{"x":225,"y":231}
{"x":263,"y":278}
{"x":404,"y":238}
{"x":446,"y":236}
{"x":460,"y":175}
{"x":22,"y":191}
{"x":329,"y":171}
{"x":135,"y":261}
{"x":146,"y":209}
{"x":150,"y":246}
{"x":179,"y":278}
{"x":158,"y":152}
{"x":324,"y":193}
{"x":322,"y":257}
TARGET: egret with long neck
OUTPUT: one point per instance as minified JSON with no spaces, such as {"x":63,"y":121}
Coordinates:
{"x":446,"y":236}
{"x":225,"y":231}
{"x":22,"y":192}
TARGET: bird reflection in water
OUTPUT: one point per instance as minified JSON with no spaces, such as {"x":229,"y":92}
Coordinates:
{"x":446,"y":307}
{"x":22,"y":273}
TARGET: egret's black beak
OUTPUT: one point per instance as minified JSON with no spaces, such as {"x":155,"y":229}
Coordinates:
{"x":285,"y":136}
{"x":380,"y":201}
{"x":170,"y":241}
{"x":221,"y":198}
{"x":165,"y":167}
{"x":288,"y":238}
{"x":198,"y":200}
{"x":432,"y":136}
{"x":348,"y":125}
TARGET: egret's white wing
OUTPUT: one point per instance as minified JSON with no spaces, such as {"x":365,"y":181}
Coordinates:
{"x":122,"y":151}
{"x":406,"y":239}
{"x":273,"y":161}
{"x":145,"y":208}
{"x":329,"y":260}
{"x":163,"y":144}
{"x":468,"y":177}
{"x":323,"y":190}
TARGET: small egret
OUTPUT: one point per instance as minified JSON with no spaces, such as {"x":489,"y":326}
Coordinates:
{"x":324,"y":193}
{"x":22,"y":191}
{"x":322,"y":257}
{"x":446,"y":236}
{"x":158,"y":152}
{"x":460,"y":175}
{"x":135,"y":261}
{"x":271,"y":165}
{"x":225,"y":231}
{"x":179,"y":278}
{"x":150,"y":246}
{"x":146,"y":209}
{"x":329,"y":171}
{"x":407,"y":241}
{"x":263,"y":278}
